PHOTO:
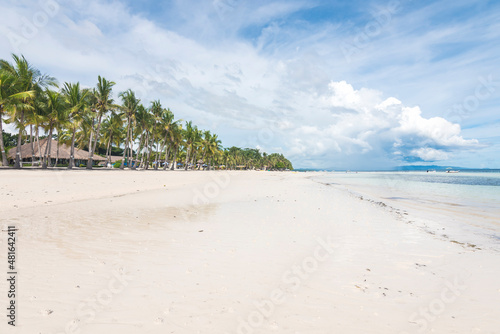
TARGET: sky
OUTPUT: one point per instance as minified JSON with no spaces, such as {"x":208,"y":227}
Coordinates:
{"x":330,"y":84}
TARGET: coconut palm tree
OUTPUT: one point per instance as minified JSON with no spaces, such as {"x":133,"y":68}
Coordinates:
{"x":176,"y":140}
{"x":156,"y":111}
{"x":129,"y":110}
{"x":27,"y":79}
{"x":167,"y":124}
{"x":214,"y":149}
{"x":143,"y":118}
{"x":190,"y":134}
{"x":101,"y":103}
{"x":77,"y":104}
{"x":55,"y":118}
{"x":113,"y":133}
{"x":9,"y":99}
{"x":36,"y":119}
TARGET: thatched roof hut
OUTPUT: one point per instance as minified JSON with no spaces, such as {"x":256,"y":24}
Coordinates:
{"x":64,"y":151}
{"x":115,"y":158}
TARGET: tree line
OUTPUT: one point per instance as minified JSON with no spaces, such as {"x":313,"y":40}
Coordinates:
{"x":90,"y":119}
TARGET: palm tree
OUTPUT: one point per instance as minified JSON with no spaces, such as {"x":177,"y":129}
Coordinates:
{"x":167,"y":124}
{"x":156,"y":111}
{"x":129,"y":108}
{"x":101,"y":104}
{"x":55,"y":116}
{"x":112,"y":133}
{"x":77,"y":103}
{"x":214,"y":149}
{"x":27,"y":79}
{"x":189,"y":136}
{"x":143,"y":119}
{"x":36,"y":119}
{"x":176,"y":140}
{"x":9,"y":98}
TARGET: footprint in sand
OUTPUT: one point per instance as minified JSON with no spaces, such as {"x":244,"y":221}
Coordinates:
{"x":46,"y":312}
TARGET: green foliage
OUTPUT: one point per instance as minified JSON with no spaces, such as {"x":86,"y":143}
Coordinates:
{"x":9,"y":140}
{"x":117,"y":164}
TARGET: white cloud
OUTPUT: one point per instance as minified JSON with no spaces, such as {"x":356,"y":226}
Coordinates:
{"x":430,"y":154}
{"x":364,"y":124}
{"x":437,"y":130}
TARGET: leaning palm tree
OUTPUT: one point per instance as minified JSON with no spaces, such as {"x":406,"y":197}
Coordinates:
{"x":129,"y":109}
{"x":27,"y":79}
{"x":101,"y":104}
{"x":9,"y":99}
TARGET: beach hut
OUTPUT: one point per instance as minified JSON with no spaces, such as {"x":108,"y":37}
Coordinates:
{"x":34,"y":153}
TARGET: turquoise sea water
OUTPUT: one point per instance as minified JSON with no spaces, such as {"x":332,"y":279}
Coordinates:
{"x":471,"y":196}
{"x":476,"y":186}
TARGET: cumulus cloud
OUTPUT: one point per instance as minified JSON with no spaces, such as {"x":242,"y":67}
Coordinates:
{"x":366,"y":125}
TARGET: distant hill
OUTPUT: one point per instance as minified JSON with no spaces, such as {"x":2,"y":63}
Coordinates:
{"x":428,"y":167}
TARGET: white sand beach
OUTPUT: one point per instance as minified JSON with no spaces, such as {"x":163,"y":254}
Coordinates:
{"x":233,"y":252}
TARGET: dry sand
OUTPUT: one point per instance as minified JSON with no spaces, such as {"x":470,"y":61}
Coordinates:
{"x":231,"y":252}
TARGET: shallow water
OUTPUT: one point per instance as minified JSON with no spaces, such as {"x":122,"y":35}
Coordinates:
{"x":468,"y":197}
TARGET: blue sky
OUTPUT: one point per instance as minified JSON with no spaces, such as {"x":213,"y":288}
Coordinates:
{"x":331,"y":84}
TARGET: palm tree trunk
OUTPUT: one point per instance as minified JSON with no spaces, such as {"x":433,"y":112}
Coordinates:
{"x":32,"y":145}
{"x":97,"y":132}
{"x":156,"y":155}
{"x":122,"y":166}
{"x":166,"y":156}
{"x":108,"y":149}
{"x":38,"y":144}
{"x":91,"y":152}
{"x":17,"y":164}
{"x":187,"y":159}
{"x":145,"y":145}
{"x":49,"y":162}
{"x":149,"y":153}
{"x":72,"y":150}
{"x":137,"y":154}
{"x":2,"y":146}
{"x":46,"y":155}
{"x":174,"y":162}
{"x":130,"y":154}
{"x":57,"y":151}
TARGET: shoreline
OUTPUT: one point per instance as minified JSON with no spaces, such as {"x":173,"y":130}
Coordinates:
{"x":470,"y":223}
{"x":250,"y":252}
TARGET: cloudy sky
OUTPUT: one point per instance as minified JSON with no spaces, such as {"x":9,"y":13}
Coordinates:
{"x":331,"y":84}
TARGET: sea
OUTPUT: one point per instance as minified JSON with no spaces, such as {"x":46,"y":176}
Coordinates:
{"x":468,"y":198}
